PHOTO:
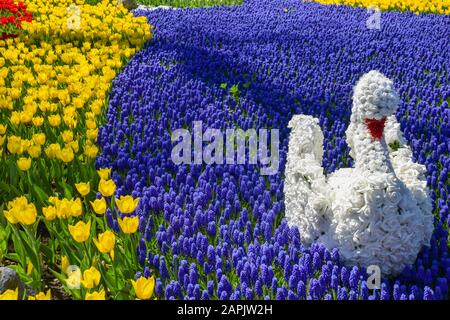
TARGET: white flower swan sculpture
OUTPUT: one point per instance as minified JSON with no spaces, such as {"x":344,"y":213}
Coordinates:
{"x":377,"y":213}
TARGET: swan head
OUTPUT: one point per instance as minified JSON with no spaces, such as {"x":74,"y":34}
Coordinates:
{"x":374,"y":99}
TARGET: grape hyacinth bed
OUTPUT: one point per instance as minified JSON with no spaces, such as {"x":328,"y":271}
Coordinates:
{"x":218,"y":231}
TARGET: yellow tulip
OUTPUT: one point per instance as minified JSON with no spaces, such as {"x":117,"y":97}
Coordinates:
{"x":144,"y":287}
{"x":66,"y":154}
{"x":51,"y":85}
{"x":25,"y":117}
{"x":80,"y":231}
{"x":38,"y":121}
{"x":53,"y":200}
{"x":10,"y":216}
{"x":92,"y":134}
{"x":54,"y":120}
{"x":96,"y":108}
{"x":74,"y":145}
{"x":17,"y":202}
{"x":67,"y":136}
{"x":29,"y":268}
{"x":91,"y":278}
{"x":24,"y":164}
{"x":104,"y":173}
{"x":53,"y":150}
{"x":107,"y":187}
{"x":28,"y":216}
{"x":96,"y":295}
{"x":90,"y":150}
{"x":76,"y":208}
{"x":99,"y":205}
{"x":70,"y":121}
{"x":64,"y":263}
{"x":19,"y":210}
{"x":83,"y":188}
{"x":14,"y":145}
{"x":129,"y":225}
{"x":39,"y":138}
{"x":127,"y":204}
{"x":41,"y":296}
{"x":34,"y":151}
{"x":49,"y":213}
{"x":412,"y":5}
{"x":15,"y":118}
{"x":25,"y":144}
{"x":90,"y":124}
{"x":63,"y":208}
{"x":10,"y":295}
{"x":105,"y":242}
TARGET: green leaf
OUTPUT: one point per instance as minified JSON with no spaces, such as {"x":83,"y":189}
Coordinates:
{"x":13,"y":256}
{"x":69,"y":252}
{"x":43,"y":174}
{"x":40,"y":194}
{"x":234,"y":90}
{"x":48,"y":253}
{"x":18,"y":247}
{"x":32,"y":255}
{"x":4,"y":187}
{"x":67,"y":190}
{"x":394,"y":145}
{"x":108,"y":280}
{"x":61,"y":279}
{"x":22,"y":274}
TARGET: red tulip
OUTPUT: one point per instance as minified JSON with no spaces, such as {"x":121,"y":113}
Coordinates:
{"x":12,"y":16}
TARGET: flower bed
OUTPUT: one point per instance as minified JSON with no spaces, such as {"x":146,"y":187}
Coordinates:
{"x":54,"y":86}
{"x":416,"y":6}
{"x":189,"y":3}
{"x":200,"y":231}
{"x":11,"y":17}
{"x":220,"y":229}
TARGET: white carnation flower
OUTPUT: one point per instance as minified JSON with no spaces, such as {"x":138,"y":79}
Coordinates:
{"x":376,"y":213}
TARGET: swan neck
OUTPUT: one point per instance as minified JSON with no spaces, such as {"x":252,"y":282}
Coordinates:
{"x":371,"y":155}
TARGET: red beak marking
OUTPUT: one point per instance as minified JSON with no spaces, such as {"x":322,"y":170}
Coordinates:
{"x":376,"y":127}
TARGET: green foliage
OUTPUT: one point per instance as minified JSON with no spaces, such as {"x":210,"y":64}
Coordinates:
{"x":4,"y":238}
{"x":93,"y":2}
{"x":394,"y":145}
{"x":235,"y":92}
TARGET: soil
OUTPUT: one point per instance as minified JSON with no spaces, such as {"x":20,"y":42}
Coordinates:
{"x":49,"y":280}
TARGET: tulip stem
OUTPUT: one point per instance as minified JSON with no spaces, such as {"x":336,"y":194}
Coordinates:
{"x":123,"y":253}
{"x":88,"y":254}
{"x":115,"y":273}
{"x":132,"y":262}
{"x":134,"y":250}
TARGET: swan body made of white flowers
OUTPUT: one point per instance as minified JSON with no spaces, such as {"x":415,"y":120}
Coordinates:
{"x":377,"y":213}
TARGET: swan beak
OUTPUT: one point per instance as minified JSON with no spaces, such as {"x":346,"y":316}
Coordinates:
{"x":376,"y":127}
